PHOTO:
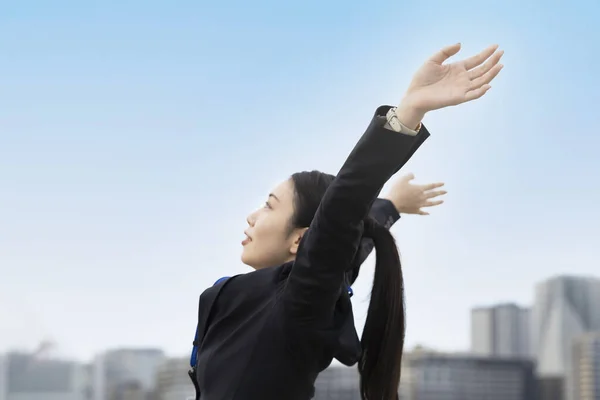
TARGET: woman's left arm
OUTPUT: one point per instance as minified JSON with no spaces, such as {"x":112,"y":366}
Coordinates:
{"x":385,"y":213}
{"x":404,"y":197}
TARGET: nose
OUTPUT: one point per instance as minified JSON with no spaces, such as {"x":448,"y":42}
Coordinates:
{"x":251,"y":219}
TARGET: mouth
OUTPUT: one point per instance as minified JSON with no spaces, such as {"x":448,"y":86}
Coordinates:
{"x":247,"y":240}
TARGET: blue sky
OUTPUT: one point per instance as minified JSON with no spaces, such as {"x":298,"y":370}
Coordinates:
{"x":136,"y":136}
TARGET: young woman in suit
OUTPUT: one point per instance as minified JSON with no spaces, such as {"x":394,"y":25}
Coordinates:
{"x":266,"y":335}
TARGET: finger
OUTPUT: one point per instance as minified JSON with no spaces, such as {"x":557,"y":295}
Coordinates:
{"x":489,"y":64}
{"x":408,"y":177}
{"x":476,"y":94}
{"x":478,"y":59}
{"x":432,"y":203}
{"x":422,"y":213}
{"x":487,"y":78}
{"x":431,"y":186}
{"x":445,"y":53}
{"x":431,"y":195}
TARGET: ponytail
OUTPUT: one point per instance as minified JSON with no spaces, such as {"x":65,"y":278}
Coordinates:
{"x":383,"y":335}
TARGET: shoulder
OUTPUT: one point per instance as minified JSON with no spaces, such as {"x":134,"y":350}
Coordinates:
{"x":256,"y":282}
{"x":221,"y":280}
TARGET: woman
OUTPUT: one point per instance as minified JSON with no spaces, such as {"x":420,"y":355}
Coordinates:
{"x":403,"y":198}
{"x":267,"y":334}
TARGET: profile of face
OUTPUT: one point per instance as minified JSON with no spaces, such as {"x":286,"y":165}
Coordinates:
{"x":270,"y":238}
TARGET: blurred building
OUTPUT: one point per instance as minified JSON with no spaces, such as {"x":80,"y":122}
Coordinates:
{"x":3,"y":376}
{"x":584,"y":377}
{"x":130,"y":391}
{"x":338,"y":382}
{"x":172,"y":380}
{"x":565,"y":307}
{"x":503,"y":330}
{"x":26,"y":376}
{"x":550,"y":388}
{"x":125,"y":373}
{"x":437,"y":376}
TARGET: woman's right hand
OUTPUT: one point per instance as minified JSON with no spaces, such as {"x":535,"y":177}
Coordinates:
{"x":437,"y":85}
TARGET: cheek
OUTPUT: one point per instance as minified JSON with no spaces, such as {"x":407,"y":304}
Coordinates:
{"x":270,"y":228}
{"x":268,"y":241}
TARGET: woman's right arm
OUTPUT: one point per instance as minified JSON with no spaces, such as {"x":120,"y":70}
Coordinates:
{"x":332,"y":241}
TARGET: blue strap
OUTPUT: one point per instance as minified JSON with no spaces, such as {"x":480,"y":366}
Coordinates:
{"x":194,"y":356}
{"x":223,"y":279}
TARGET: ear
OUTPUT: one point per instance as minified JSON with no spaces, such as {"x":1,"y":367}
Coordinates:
{"x":296,"y":238}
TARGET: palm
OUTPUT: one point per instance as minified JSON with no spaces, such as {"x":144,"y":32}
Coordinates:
{"x":437,"y":85}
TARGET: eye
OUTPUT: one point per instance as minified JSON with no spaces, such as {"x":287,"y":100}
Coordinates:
{"x":267,"y":205}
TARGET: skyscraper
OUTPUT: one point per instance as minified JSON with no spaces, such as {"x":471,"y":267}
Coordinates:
{"x":565,"y":307}
{"x":584,"y":377}
{"x":503,"y":331}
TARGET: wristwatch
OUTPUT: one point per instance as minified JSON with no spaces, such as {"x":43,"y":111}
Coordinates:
{"x":394,"y":124}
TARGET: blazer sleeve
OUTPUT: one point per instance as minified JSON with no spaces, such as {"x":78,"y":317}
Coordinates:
{"x":384,"y":212}
{"x":331,"y":243}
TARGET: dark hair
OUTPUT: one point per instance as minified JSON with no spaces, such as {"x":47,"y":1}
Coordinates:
{"x":382,"y":340}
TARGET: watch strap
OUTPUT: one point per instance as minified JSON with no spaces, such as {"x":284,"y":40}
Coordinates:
{"x":394,"y":124}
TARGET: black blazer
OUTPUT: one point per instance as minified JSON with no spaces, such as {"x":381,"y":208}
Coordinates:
{"x":267,"y":334}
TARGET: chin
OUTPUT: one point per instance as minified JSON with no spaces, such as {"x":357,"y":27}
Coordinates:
{"x":246,"y":260}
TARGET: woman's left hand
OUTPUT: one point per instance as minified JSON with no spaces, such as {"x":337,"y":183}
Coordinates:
{"x":409,"y":198}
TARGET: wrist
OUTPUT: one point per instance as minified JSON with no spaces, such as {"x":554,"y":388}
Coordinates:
{"x":409,"y":115}
{"x":395,"y":204}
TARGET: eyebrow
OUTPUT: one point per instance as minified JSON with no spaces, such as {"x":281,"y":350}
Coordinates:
{"x":273,"y":196}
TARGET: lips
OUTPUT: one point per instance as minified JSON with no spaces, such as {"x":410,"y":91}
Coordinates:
{"x":247,"y":240}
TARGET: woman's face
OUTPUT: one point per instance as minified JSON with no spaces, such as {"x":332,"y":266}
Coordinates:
{"x":268,"y":241}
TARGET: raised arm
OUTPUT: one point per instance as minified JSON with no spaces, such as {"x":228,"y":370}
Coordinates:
{"x":404,"y":197}
{"x":332,"y":241}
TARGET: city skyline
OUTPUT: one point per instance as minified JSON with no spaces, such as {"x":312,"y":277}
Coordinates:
{"x":125,"y":193}
{"x":146,"y":374}
{"x":562,"y":323}
{"x":47,"y":348}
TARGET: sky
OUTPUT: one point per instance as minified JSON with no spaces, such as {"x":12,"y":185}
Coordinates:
{"x":135,"y":137}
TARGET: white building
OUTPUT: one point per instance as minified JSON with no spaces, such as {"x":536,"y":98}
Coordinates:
{"x":502,"y":330}
{"x":565,"y":307}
